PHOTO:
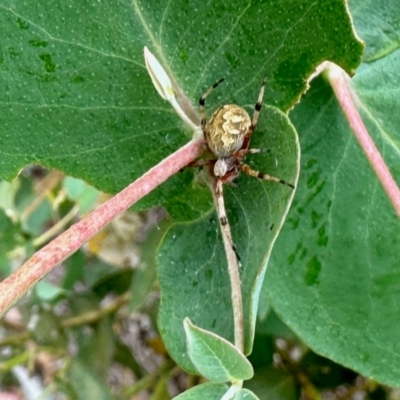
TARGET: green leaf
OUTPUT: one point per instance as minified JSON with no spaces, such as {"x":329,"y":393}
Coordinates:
{"x":377,"y":26}
{"x":269,"y":383}
{"x":192,"y":269}
{"x":214,"y":357}
{"x":8,"y":194}
{"x":263,"y":350}
{"x":9,"y":233}
{"x":334,"y":277}
{"x":75,"y":94}
{"x":47,"y":292}
{"x":145,"y":274}
{"x":117,"y":280}
{"x":209,"y":391}
{"x":274,"y":326}
{"x":37,"y":219}
{"x":86,"y":384}
{"x":16,"y":197}
{"x":74,"y":269}
{"x":47,"y":330}
{"x":263,"y":304}
{"x":82,"y":193}
{"x":97,"y":348}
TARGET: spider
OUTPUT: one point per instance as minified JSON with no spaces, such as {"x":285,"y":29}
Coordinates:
{"x":228,"y":134}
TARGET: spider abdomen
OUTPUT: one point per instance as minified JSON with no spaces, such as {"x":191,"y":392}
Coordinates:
{"x":227,"y":129}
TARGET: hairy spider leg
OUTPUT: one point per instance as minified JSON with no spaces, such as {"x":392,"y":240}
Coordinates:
{"x":242,"y":153}
{"x":260,"y":175}
{"x":254,"y":119}
{"x":202,"y":102}
{"x":223,"y":219}
{"x":200,"y":163}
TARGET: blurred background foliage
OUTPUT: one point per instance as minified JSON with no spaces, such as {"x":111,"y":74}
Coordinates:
{"x":88,"y":330}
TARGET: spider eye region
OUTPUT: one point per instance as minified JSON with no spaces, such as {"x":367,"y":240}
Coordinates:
{"x":227,"y":129}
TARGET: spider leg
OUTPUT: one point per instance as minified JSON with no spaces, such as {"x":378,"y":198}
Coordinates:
{"x":247,"y":170}
{"x":202,"y":102}
{"x":223,"y":219}
{"x":254,"y":151}
{"x":254,"y":119}
{"x":241,"y":154}
{"x":200,"y":163}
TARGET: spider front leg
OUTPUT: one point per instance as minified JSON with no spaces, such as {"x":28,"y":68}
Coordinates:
{"x":202,"y":102}
{"x":254,"y":119}
{"x":260,"y":175}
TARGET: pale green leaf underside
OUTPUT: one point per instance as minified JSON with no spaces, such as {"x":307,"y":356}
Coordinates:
{"x":214,"y":357}
{"x":209,"y":391}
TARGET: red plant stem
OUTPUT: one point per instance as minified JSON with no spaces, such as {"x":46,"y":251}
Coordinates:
{"x":43,"y":261}
{"x":345,"y":95}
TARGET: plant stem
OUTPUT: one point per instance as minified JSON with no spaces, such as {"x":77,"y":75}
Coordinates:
{"x":347,"y":98}
{"x":15,"y":339}
{"x":42,"y":188}
{"x":57,"y":227}
{"x":233,"y":270}
{"x":43,"y":261}
{"x":95,"y":315}
{"x":19,"y":359}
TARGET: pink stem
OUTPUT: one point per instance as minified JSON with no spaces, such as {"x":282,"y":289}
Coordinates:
{"x":43,"y":261}
{"x":345,"y":96}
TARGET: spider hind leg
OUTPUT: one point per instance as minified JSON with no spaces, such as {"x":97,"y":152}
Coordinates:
{"x":260,"y":175}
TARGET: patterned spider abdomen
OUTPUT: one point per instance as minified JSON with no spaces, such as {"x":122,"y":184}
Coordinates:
{"x":227,"y":129}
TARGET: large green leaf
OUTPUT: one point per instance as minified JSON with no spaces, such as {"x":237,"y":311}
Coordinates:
{"x":378,"y":24}
{"x":75,"y":95}
{"x":335,"y":274}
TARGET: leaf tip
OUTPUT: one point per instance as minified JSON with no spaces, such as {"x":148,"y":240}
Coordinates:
{"x":158,"y":75}
{"x":164,"y":86}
